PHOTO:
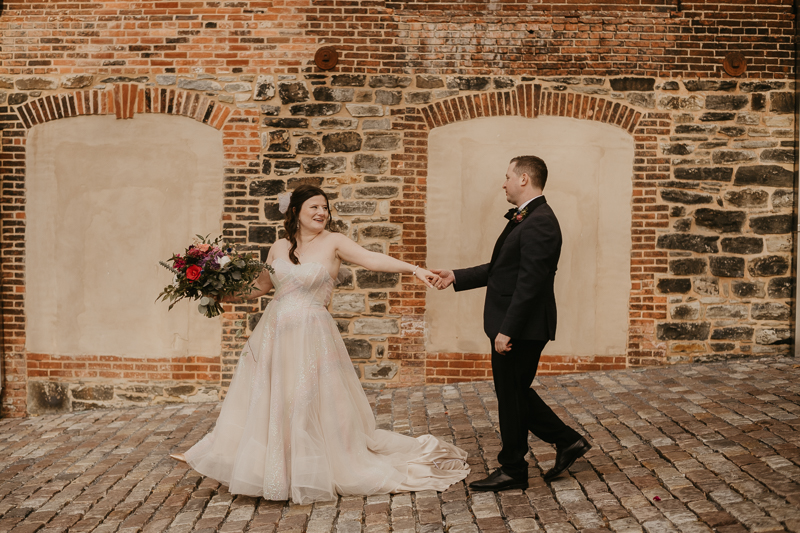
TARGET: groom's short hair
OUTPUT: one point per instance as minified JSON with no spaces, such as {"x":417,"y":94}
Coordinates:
{"x":533,"y":167}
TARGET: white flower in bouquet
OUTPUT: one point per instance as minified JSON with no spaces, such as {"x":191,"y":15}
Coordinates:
{"x":224,"y":260}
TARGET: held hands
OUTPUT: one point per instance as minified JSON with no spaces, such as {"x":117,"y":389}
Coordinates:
{"x":427,"y":277}
{"x":446,"y":278}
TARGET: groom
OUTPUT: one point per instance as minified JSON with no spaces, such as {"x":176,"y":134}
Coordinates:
{"x":519,"y":317}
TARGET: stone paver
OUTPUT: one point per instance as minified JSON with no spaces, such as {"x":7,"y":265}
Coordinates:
{"x":690,"y":448}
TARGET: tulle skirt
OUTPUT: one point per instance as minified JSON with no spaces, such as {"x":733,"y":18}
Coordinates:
{"x":297,"y":425}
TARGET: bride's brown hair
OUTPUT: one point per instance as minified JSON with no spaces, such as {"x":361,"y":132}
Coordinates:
{"x":292,"y":221}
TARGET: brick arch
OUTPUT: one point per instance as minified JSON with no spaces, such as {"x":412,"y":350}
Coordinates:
{"x":123,"y":100}
{"x":528,"y":100}
{"x":241,"y":143}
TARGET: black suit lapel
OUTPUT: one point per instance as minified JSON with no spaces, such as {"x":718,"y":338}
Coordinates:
{"x":500,"y":240}
{"x":510,"y":227}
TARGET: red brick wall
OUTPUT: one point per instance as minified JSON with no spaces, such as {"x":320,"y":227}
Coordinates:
{"x":111,"y":367}
{"x":124,"y":46}
{"x":655,"y":37}
{"x":460,"y":367}
{"x":647,"y":37}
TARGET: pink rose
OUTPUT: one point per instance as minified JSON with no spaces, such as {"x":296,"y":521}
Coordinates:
{"x":204,"y":247}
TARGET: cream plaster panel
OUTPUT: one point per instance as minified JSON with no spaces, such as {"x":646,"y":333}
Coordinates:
{"x":107,"y":199}
{"x":589,"y":187}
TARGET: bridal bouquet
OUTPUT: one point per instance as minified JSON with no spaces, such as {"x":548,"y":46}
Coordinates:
{"x":207,"y":271}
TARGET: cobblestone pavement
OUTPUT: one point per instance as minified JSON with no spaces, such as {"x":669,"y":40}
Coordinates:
{"x":705,"y":447}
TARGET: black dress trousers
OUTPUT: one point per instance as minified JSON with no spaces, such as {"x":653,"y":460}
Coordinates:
{"x":521,"y":409}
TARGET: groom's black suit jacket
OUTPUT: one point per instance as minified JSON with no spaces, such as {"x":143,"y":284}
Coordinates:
{"x":520,"y":301}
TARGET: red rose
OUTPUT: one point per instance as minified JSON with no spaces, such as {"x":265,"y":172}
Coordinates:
{"x":193,"y":272}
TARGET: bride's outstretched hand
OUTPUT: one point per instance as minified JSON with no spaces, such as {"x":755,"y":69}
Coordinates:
{"x":427,"y":277}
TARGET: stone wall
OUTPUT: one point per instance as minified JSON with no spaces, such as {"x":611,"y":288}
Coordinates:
{"x":48,"y":397}
{"x":729,"y":279}
{"x":713,"y":190}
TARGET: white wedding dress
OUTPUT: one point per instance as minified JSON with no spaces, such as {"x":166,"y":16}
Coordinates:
{"x":297,"y":424}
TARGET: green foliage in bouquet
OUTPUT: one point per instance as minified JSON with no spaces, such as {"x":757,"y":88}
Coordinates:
{"x":209,"y":271}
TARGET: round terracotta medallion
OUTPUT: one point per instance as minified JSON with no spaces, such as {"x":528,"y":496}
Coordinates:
{"x":326,"y":58}
{"x":734,"y":64}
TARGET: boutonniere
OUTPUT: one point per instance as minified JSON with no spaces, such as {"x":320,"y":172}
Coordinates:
{"x":520,"y":216}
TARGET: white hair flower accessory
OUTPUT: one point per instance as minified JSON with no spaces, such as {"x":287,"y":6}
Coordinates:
{"x":283,"y":202}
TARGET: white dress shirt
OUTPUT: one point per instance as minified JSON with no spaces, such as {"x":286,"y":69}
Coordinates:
{"x":529,"y":201}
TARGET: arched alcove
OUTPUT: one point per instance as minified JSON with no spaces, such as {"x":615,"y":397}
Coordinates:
{"x":106,"y":200}
{"x":589,"y":188}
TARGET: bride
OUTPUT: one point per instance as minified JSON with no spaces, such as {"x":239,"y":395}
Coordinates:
{"x":296,"y":422}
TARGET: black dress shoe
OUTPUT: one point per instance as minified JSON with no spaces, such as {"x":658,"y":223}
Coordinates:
{"x":565,"y":457}
{"x":497,"y":481}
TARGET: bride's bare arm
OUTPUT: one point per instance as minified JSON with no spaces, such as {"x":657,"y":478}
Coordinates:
{"x":261,"y":286}
{"x":351,"y":252}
